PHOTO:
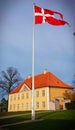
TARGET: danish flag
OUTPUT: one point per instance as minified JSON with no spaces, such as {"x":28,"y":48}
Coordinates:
{"x":45,"y":15}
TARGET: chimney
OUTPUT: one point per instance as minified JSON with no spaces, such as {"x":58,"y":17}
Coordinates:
{"x":29,"y":76}
{"x":45,"y":71}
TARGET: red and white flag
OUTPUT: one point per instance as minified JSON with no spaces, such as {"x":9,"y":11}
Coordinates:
{"x":45,"y":15}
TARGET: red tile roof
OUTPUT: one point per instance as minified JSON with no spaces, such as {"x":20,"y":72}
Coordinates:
{"x":43,"y":80}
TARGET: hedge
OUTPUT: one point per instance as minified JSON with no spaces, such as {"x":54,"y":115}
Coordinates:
{"x":70,"y":105}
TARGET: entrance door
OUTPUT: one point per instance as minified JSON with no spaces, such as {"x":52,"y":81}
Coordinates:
{"x":57,"y":106}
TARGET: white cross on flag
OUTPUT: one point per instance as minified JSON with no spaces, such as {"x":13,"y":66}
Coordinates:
{"x":45,"y":15}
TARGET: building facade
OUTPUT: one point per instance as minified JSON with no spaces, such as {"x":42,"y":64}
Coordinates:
{"x":49,"y":93}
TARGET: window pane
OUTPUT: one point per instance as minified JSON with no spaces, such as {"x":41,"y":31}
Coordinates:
{"x":10,"y":107}
{"x":26,"y":95}
{"x":14,"y":106}
{"x":17,"y":106}
{"x":43,"y":92}
{"x":37,"y":93}
{"x":22,"y":96}
{"x":37,"y":104}
{"x":18,"y":97}
{"x":26,"y":105}
{"x":43,"y":104}
{"x":22,"y":106}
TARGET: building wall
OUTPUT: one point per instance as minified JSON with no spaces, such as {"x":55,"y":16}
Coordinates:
{"x":22,"y":100}
{"x":59,"y":93}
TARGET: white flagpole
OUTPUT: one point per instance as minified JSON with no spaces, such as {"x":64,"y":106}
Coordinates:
{"x":33,"y":104}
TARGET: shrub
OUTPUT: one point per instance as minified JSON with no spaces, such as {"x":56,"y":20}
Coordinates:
{"x":70,"y":105}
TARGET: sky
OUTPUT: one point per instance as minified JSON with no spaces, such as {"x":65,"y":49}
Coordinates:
{"x":54,"y":45}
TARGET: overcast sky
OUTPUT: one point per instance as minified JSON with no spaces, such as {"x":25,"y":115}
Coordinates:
{"x":54,"y":45}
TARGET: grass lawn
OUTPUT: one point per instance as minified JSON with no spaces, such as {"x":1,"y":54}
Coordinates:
{"x":47,"y":124}
{"x":12,"y":113}
{"x":61,"y":120}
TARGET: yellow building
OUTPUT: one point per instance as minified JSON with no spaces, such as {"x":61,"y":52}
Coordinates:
{"x":50,"y":93}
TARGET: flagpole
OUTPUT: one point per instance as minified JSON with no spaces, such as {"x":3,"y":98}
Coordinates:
{"x":33,"y":111}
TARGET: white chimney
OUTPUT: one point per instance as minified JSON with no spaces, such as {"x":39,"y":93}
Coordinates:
{"x":29,"y":76}
{"x":45,"y":71}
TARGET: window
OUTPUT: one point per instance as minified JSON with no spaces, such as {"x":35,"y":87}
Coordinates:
{"x":18,"y":97}
{"x":37,"y":93}
{"x":27,"y":95}
{"x":14,"y":106}
{"x":25,"y":88}
{"x":18,"y":106}
{"x":43,"y":93}
{"x":22,"y":96}
{"x":22,"y":106}
{"x":14,"y":97}
{"x":37,"y":104}
{"x":26,"y":105}
{"x":10,"y":107}
{"x":43,"y":104}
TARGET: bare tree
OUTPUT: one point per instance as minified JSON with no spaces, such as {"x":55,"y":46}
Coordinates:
{"x":9,"y":79}
{"x":67,"y":95}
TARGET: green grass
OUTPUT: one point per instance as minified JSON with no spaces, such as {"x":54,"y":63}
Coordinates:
{"x":12,"y":113}
{"x":46,"y":125}
{"x":14,"y":119}
{"x":68,"y":114}
{"x":61,"y":120}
